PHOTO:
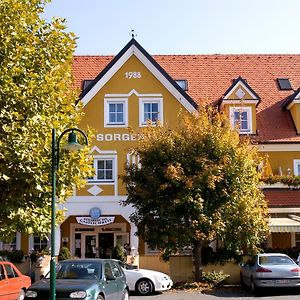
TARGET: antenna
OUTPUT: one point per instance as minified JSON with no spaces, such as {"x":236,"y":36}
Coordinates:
{"x":132,"y":33}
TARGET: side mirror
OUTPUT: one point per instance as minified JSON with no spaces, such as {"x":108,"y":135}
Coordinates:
{"x":42,"y":276}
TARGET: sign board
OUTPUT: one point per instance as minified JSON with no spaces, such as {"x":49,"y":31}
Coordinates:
{"x":89,"y":221}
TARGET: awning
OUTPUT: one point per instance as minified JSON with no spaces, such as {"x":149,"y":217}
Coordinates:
{"x":284,"y":225}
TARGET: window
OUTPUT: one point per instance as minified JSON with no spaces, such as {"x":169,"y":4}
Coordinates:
{"x":241,"y":118}
{"x":115,"y":113}
{"x":104,"y":170}
{"x":150,"y":110}
{"x":284,"y":84}
{"x":39,"y":244}
{"x":10,"y":246}
{"x":182,"y":83}
{"x":297,"y":167}
{"x":11,"y":273}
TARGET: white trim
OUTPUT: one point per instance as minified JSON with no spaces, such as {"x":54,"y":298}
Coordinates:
{"x":296,"y":163}
{"x":133,"y":50}
{"x":238,"y":101}
{"x":96,"y":149}
{"x":245,"y":88}
{"x":246,"y":109}
{"x":278,"y":147}
{"x":274,"y":210}
{"x":118,"y":100}
{"x":114,"y":180}
{"x":142,"y":101}
{"x":277,"y":185}
{"x":133,"y":91}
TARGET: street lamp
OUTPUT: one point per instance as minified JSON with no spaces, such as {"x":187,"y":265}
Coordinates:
{"x":72,"y":145}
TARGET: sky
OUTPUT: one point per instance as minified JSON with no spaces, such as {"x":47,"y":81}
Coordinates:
{"x":103,"y":27}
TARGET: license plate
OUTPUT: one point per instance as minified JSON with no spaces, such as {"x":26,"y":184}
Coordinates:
{"x":281,"y":281}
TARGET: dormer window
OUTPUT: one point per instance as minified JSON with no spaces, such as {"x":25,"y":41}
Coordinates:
{"x":182,"y":83}
{"x":86,"y":83}
{"x":241,"y":118}
{"x":284,"y":84}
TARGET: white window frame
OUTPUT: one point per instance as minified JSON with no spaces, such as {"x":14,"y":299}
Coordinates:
{"x":143,"y":101}
{"x":108,"y":101}
{"x":31,"y":243}
{"x":240,"y":109}
{"x":13,"y":246}
{"x":296,"y":164}
{"x":114,"y":169}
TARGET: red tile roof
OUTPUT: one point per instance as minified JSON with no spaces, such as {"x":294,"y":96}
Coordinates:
{"x":282,"y":197}
{"x":209,"y":76}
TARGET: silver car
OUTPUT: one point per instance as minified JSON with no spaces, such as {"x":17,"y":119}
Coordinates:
{"x":270,"y":270}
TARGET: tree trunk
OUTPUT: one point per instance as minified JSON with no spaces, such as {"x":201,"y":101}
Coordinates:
{"x":198,"y":260}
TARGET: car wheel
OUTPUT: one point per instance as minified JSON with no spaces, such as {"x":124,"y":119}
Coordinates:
{"x":144,"y":287}
{"x":100,"y":297}
{"x":21,"y":295}
{"x":125,"y":295}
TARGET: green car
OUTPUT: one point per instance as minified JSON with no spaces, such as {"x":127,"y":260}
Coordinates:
{"x":88,"y":279}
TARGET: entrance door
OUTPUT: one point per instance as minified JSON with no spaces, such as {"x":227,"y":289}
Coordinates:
{"x":106,"y":244}
{"x":89,"y":246}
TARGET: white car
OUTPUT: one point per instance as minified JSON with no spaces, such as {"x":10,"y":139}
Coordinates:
{"x":144,"y":281}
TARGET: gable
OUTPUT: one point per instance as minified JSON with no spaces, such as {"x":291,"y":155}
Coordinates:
{"x":133,"y":49}
{"x":240,"y":91}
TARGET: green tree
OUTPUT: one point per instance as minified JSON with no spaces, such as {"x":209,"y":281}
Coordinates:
{"x":196,"y":182}
{"x":36,"y":95}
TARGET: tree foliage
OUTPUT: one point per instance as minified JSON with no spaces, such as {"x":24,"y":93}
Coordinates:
{"x":36,"y":95}
{"x":196,"y":182}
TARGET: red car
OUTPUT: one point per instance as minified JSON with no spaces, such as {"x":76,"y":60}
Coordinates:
{"x":13,"y":284}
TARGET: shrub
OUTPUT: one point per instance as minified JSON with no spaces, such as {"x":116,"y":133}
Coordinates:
{"x":64,"y":253}
{"x":215,"y":278}
{"x":118,"y":253}
{"x":15,"y":256}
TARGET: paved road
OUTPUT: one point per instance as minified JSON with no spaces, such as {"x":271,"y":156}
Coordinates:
{"x":222,"y":294}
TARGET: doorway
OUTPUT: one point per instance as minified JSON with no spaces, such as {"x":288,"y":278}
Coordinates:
{"x":106,"y":244}
{"x":90,"y":246}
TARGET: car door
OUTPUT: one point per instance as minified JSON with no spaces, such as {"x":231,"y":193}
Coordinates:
{"x":248,"y":269}
{"x":111,"y":284}
{"x":12,"y":282}
{"x":4,"y":287}
{"x":120,"y":278}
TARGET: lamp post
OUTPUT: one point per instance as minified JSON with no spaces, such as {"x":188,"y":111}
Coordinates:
{"x":72,"y":145}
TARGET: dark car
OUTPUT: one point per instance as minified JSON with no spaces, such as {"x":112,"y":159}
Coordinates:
{"x":88,"y":279}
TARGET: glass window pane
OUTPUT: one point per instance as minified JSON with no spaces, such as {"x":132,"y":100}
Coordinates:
{"x":119,"y":107}
{"x":147,"y":107}
{"x":100,"y":174}
{"x":155,"y":107}
{"x":154,"y":117}
{"x":120,"y":118}
{"x":112,"y":107}
{"x":109,"y":174}
{"x":100,"y":164}
{"x":109,"y":164}
{"x":112,"y":118}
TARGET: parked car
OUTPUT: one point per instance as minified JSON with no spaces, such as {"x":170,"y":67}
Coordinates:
{"x":270,"y":270}
{"x":89,"y":279}
{"x":13,"y":284}
{"x":145,"y":282}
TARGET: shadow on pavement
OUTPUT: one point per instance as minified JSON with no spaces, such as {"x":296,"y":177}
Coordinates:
{"x":238,"y":292}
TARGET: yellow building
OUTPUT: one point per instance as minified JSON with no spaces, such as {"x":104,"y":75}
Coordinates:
{"x":258,"y":92}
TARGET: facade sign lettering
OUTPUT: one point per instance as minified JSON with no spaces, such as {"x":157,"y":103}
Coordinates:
{"x":111,"y":137}
{"x":89,"y":221}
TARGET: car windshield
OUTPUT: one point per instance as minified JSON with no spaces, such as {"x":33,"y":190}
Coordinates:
{"x":78,"y":270}
{"x":275,"y":260}
{"x":126,"y":266}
